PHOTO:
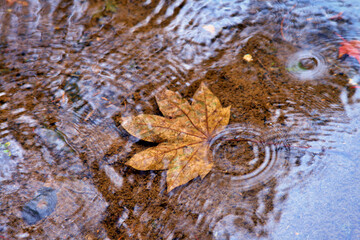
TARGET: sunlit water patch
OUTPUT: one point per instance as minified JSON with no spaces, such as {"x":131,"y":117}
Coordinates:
{"x":202,"y":28}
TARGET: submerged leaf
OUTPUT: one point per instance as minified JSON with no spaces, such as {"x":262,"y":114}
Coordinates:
{"x":351,"y":48}
{"x":184,"y":135}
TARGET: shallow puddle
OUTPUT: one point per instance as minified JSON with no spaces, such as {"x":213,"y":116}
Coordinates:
{"x":285,"y":167}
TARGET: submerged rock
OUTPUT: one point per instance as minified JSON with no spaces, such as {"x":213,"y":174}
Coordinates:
{"x":40,"y":207}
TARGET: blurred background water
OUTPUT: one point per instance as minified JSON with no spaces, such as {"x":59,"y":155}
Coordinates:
{"x":70,"y":68}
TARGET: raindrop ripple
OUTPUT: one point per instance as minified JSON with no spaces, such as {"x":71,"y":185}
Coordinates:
{"x":248,"y":156}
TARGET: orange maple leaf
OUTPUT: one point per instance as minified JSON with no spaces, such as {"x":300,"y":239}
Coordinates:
{"x":351,"y":48}
{"x":184,"y":135}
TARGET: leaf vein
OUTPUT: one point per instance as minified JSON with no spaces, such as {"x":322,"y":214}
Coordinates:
{"x":175,"y":130}
{"x":187,"y":116}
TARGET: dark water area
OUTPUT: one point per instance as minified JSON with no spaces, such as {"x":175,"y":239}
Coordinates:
{"x":69,"y":70}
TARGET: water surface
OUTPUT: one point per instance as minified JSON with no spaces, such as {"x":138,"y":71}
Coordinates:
{"x":70,"y":69}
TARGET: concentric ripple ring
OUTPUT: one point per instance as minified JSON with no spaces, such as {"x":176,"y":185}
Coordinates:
{"x":306,"y":65}
{"x":247,"y":155}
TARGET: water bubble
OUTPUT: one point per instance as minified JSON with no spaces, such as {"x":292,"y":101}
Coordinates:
{"x":306,"y":65}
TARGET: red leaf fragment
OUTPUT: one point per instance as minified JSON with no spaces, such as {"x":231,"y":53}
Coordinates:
{"x":351,"y":48}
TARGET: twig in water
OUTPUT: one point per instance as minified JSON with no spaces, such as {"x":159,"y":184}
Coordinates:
{"x":282,"y":22}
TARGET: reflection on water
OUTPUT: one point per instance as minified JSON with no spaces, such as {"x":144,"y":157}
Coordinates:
{"x":285,"y":168}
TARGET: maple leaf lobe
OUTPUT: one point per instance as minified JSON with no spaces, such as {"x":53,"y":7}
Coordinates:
{"x":171,"y":104}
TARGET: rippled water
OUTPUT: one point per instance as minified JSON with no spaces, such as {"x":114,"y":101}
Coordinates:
{"x":286,"y":167}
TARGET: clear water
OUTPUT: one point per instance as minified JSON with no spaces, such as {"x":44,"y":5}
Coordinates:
{"x":69,"y":69}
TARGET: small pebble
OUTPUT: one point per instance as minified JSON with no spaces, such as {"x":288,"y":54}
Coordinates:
{"x":248,"y":58}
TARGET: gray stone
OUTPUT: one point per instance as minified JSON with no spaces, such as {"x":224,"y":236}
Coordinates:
{"x":40,"y":207}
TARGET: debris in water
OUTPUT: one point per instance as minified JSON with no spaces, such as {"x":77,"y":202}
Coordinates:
{"x":210,"y":28}
{"x":248,"y":57}
{"x":351,"y":48}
